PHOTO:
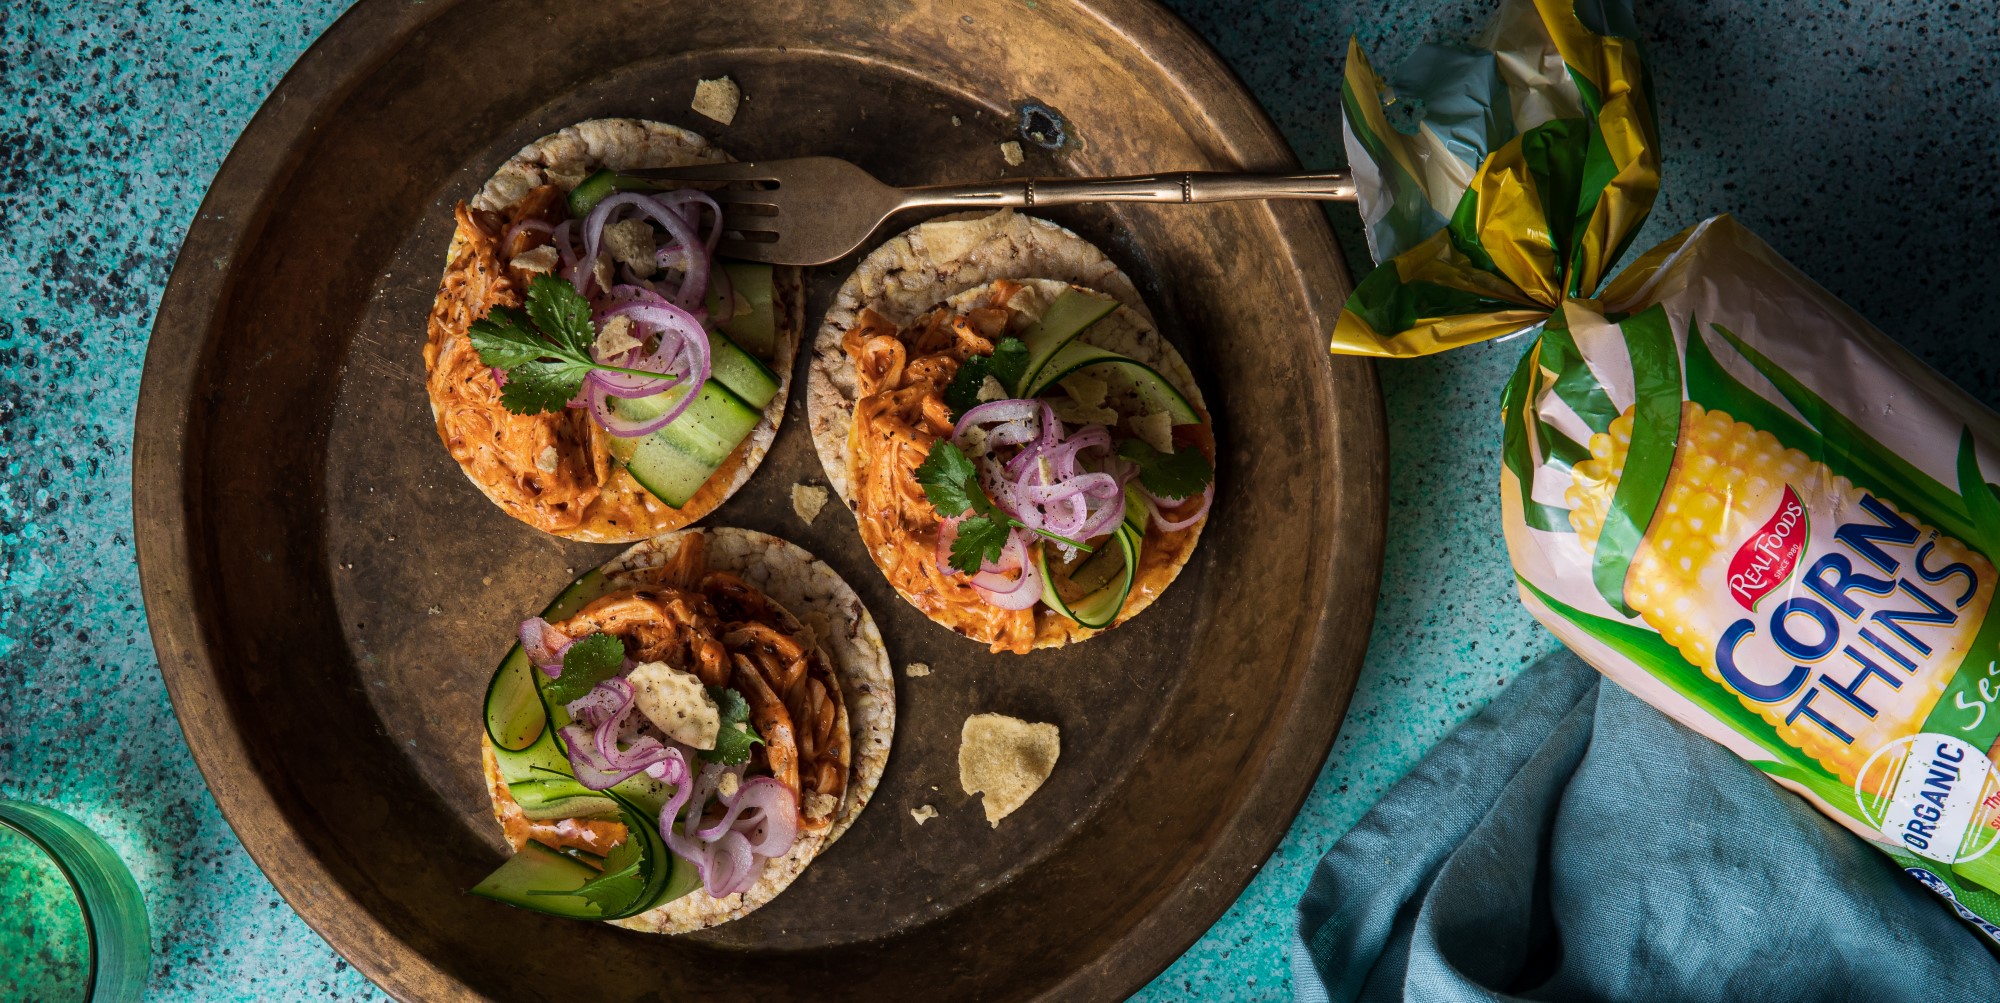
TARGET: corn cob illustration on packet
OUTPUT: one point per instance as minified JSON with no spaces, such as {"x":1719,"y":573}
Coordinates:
{"x":1721,"y":486}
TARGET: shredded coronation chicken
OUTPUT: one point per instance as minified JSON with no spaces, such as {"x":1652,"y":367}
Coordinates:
{"x":902,"y":375}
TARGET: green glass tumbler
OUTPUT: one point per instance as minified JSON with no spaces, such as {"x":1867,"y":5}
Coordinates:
{"x":72,"y":923}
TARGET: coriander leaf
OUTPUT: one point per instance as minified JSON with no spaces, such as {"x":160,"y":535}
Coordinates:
{"x":620,"y":883}
{"x":1179,"y":474}
{"x":536,"y":387}
{"x":950,"y":481}
{"x":1009,"y":364}
{"x":733,"y":708}
{"x":732,"y":745}
{"x":591,"y":660}
{"x":503,"y":340}
{"x":733,"y":742}
{"x":980,"y":540}
{"x":963,"y":393}
{"x":562,"y":313}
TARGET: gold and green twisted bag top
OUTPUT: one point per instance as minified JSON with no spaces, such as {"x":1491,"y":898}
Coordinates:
{"x":1720,"y":485}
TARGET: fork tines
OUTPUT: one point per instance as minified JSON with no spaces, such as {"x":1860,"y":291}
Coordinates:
{"x":717,"y":173}
{"x":742,"y":239}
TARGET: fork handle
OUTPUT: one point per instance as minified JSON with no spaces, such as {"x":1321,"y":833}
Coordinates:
{"x":1182,"y":186}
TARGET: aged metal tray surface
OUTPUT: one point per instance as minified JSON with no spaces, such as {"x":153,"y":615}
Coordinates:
{"x":329,"y":594}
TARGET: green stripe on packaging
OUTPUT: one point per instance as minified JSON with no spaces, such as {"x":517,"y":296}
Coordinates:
{"x":1517,"y":401}
{"x":1593,"y":99}
{"x":1563,"y":451}
{"x":1656,"y":430}
{"x":1982,"y":500}
{"x":1464,"y":229}
{"x":1598,"y":173}
{"x":1575,"y":384}
{"x":1391,"y":305}
{"x":1554,"y":153}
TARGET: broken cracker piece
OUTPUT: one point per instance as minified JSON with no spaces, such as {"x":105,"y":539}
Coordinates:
{"x":1010,"y":151}
{"x":1086,"y":390}
{"x":1155,"y":430}
{"x":600,"y":270}
{"x":540,"y":261}
{"x":617,"y":337}
{"x":820,"y":805}
{"x":630,"y":243}
{"x":807,"y":500}
{"x":717,"y":99}
{"x":991,"y":389}
{"x":1005,"y":759}
{"x":924,"y":814}
{"x":1076,"y":414}
{"x":916,"y":669}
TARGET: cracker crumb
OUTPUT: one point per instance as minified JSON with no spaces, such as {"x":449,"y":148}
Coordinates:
{"x":548,"y":460}
{"x":1156,"y":430}
{"x":1083,"y":403}
{"x":1010,"y":151}
{"x":924,"y":814}
{"x":1005,"y":759}
{"x":616,"y":337}
{"x":1086,"y":390}
{"x":630,"y":243}
{"x":990,"y":389}
{"x":1030,"y":301}
{"x":717,"y":99}
{"x":917,"y":670}
{"x":728,"y":784}
{"x":540,"y":261}
{"x":820,"y":805}
{"x":807,"y":500}
{"x":601,"y":270}
{"x":1075,"y":414}
{"x":954,"y":120}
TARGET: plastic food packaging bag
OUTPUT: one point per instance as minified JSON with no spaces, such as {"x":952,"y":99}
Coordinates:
{"x":1721,"y":486}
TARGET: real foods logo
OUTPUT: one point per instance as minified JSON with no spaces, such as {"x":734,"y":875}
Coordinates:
{"x":1769,"y":556}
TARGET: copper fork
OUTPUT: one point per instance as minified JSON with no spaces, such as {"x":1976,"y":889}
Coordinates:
{"x":812,"y":210}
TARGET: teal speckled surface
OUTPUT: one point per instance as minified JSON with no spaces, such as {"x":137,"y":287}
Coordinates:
{"x":1857,"y":138}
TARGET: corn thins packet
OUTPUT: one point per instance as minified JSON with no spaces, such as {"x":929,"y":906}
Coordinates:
{"x":1721,"y":486}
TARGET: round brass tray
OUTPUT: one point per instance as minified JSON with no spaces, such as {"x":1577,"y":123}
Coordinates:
{"x":328,"y":594}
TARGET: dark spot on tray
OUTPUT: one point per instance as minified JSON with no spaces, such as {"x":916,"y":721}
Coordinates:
{"x":1043,"y":126}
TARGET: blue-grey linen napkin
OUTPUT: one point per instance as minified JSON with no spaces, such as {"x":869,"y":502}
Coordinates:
{"x":1572,"y":843}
